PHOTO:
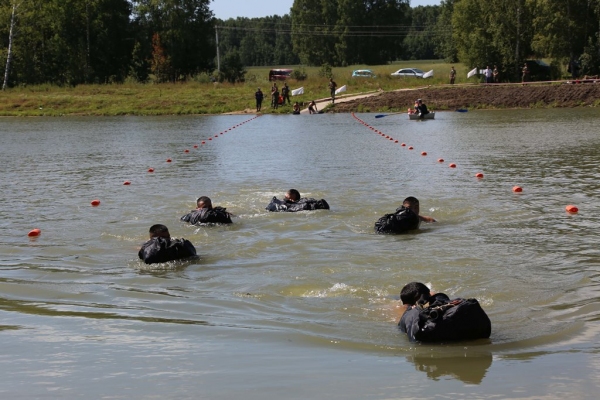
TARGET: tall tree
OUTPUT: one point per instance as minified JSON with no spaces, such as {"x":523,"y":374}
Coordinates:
{"x":492,"y":32}
{"x":186,"y":30}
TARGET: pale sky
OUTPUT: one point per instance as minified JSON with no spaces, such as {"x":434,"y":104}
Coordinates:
{"x":225,"y":9}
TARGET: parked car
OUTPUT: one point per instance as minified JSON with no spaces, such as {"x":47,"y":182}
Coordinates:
{"x":412,"y":72}
{"x":364,"y":73}
{"x":538,"y":70}
{"x":279,"y":74}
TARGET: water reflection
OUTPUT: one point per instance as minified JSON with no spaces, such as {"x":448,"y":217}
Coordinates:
{"x":468,"y":369}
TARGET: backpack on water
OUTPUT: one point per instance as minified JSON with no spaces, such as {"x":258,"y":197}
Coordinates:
{"x":403,"y":220}
{"x":449,"y":320}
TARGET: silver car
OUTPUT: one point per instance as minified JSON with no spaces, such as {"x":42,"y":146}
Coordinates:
{"x":414,"y":72}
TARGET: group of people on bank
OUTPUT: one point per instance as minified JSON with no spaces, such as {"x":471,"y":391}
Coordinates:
{"x":280,"y":97}
{"x":426,"y":316}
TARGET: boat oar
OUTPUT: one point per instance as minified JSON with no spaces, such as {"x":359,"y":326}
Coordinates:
{"x":385,"y":115}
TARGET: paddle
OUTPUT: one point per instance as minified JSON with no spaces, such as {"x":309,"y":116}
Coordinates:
{"x":385,"y":115}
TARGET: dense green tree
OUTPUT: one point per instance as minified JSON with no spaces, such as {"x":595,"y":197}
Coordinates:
{"x":487,"y":33}
{"x":420,"y":43}
{"x":444,"y":43}
{"x":186,"y":29}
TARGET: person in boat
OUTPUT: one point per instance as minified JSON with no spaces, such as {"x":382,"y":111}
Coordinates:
{"x":421,"y":108}
{"x":312,"y":107}
{"x":433,"y":317}
{"x":293,"y":202}
{"x":296,"y":109}
{"x":162,"y":248}
{"x":207,"y":214}
{"x":405,"y":219}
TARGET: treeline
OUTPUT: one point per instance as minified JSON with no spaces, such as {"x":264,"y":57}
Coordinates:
{"x":69,"y":42}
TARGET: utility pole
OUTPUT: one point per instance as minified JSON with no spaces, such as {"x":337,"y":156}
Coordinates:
{"x":218,"y":58}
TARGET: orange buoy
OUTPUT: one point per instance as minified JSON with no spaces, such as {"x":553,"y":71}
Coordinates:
{"x":423,"y":153}
{"x":195,"y":146}
{"x":150,"y":169}
{"x":168,"y":160}
{"x":572,"y":209}
{"x":517,"y":189}
{"x":95,"y":203}
{"x":203,"y":142}
{"x":218,"y":135}
{"x":403,"y":144}
{"x":395,"y":141}
{"x":440,"y":160}
{"x":186,"y":151}
{"x":479,"y":175}
{"x":452,"y":165}
{"x":209,"y":138}
{"x":126,"y":183}
{"x":410,"y":147}
{"x":34,"y":232}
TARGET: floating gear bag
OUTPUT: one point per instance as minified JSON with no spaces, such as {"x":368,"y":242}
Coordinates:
{"x":403,"y":220}
{"x":448,"y":320}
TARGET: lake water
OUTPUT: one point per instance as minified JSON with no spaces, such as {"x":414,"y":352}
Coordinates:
{"x":304,"y":305}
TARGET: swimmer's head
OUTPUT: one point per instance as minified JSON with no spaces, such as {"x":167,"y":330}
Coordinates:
{"x":414,"y":292}
{"x":292,"y":195}
{"x":411,"y":203}
{"x":159,"y":230}
{"x":204,"y":202}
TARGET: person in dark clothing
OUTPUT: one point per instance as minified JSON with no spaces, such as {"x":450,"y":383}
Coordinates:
{"x":433,"y":317}
{"x":259,"y":96}
{"x":421,"y":108}
{"x":312,"y":107}
{"x":293,"y":202}
{"x":206,"y":213}
{"x":162,"y":248}
{"x":406,"y":218}
{"x":285,"y":93}
{"x":332,"y":87}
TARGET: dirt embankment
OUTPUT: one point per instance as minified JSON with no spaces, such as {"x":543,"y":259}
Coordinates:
{"x":480,"y":96}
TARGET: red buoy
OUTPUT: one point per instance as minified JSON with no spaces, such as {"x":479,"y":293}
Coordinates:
{"x":452,"y":165}
{"x":403,"y":144}
{"x":440,"y":160}
{"x":195,"y":146}
{"x":479,"y":175}
{"x":95,"y":203}
{"x":126,"y":183}
{"x":168,"y":160}
{"x":410,"y":147}
{"x":517,"y":189}
{"x":423,"y":153}
{"x":150,"y":169}
{"x":186,"y":151}
{"x":572,"y":209}
{"x":203,"y":142}
{"x":34,"y":232}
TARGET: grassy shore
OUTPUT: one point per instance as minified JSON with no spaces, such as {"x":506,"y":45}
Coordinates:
{"x":196,"y":97}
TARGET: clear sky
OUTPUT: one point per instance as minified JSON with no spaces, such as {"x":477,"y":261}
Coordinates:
{"x":225,"y":9}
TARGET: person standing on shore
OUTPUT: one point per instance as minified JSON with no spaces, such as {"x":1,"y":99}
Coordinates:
{"x":452,"y":75}
{"x":332,"y":87}
{"x":285,"y":93}
{"x":259,"y":98}
{"x":488,"y":74}
{"x":525,"y":74}
{"x":496,"y":75}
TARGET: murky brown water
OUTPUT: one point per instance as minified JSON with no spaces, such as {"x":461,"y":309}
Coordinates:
{"x":298,"y":305}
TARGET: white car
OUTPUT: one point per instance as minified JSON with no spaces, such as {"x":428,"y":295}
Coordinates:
{"x":414,"y":72}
